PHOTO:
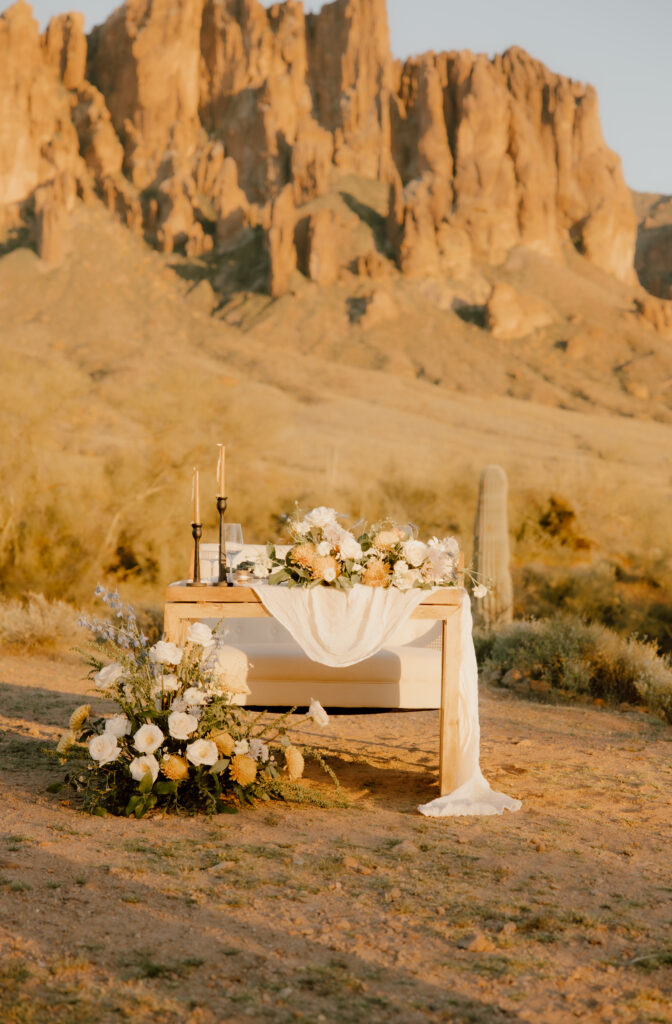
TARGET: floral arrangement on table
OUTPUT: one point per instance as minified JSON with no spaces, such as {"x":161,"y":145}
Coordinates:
{"x":323,"y":552}
{"x":176,"y":740}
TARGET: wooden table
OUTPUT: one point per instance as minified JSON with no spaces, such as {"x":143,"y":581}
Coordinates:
{"x":185,"y":604}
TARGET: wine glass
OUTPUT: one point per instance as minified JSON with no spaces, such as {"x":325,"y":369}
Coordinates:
{"x":233,"y":538}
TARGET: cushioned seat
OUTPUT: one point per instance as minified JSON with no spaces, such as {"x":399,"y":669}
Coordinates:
{"x":407,"y":674}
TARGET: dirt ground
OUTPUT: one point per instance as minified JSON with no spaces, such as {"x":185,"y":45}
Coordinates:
{"x":372,"y":913}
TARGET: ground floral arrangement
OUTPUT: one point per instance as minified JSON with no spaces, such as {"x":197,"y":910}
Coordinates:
{"x":383,"y":555}
{"x":177,"y":741}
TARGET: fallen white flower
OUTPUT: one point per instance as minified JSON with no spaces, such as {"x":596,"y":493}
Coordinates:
{"x":480,"y":590}
{"x":318,"y":714}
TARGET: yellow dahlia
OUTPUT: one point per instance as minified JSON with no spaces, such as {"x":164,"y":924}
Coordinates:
{"x":325,"y":567}
{"x":387,"y":539}
{"x":303,"y":555}
{"x":376,"y":574}
{"x":243,"y":770}
{"x":224,"y":742}
{"x":79,"y":716}
{"x":175,"y":768}
{"x":65,"y":742}
{"x":295,"y":763}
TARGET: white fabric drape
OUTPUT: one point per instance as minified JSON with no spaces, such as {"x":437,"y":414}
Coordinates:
{"x":341,"y":628}
{"x":473,"y":794}
{"x":337,"y":627}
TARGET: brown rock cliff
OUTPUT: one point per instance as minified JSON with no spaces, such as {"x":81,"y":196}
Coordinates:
{"x":190,"y":117}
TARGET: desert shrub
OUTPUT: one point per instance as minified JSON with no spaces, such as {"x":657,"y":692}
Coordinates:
{"x":580,"y":658}
{"x":626,"y":599}
{"x":36,"y":623}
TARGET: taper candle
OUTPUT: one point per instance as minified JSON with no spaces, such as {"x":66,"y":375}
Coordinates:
{"x":221,"y":492}
{"x":195,"y":489}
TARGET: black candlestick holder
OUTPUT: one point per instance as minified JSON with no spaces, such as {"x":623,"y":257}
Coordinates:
{"x":196,"y":532}
{"x":223,"y":575}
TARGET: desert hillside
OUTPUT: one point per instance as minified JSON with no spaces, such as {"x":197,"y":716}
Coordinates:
{"x":222,"y":222}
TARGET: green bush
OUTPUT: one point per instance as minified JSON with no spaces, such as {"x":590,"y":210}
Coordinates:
{"x":580,"y":658}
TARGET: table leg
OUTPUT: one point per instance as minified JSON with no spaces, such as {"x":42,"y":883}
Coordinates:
{"x":174,"y":625}
{"x":449,"y":728}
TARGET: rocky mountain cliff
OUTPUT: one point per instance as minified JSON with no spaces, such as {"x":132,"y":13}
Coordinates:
{"x":197,"y":120}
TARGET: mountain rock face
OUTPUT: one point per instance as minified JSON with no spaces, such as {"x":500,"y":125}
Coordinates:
{"x":197,"y":119}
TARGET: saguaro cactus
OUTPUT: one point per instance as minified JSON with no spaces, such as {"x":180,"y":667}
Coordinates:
{"x":491,"y":549}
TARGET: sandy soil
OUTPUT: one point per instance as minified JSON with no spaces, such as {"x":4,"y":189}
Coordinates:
{"x":366,"y":913}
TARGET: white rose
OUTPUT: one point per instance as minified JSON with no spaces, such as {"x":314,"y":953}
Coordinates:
{"x":415,"y":552}
{"x":181,"y":725}
{"x":170,"y":682}
{"x":262,"y":566}
{"x":193,"y":697}
{"x":321,"y":517}
{"x":148,"y":738}
{"x":104,"y":748}
{"x":202,"y":752}
{"x":165,"y":653}
{"x":329,"y":574}
{"x":200,"y":634}
{"x":404,"y":578}
{"x":258,"y":750}
{"x":139,"y":767}
{"x":118,"y":726}
{"x":323,"y":548}
{"x":241,"y":747}
{"x":318,"y":714}
{"x":480,"y":590}
{"x":349,"y":546}
{"x":108,"y":675}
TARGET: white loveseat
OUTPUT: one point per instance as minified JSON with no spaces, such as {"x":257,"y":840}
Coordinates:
{"x":405,"y":674}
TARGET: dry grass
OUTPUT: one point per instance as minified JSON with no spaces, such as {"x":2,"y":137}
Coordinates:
{"x":37,"y":624}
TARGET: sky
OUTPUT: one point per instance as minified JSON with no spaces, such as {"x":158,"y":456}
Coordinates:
{"x":622,"y":47}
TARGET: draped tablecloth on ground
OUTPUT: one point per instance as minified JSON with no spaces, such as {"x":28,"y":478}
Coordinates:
{"x":343,"y":627}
